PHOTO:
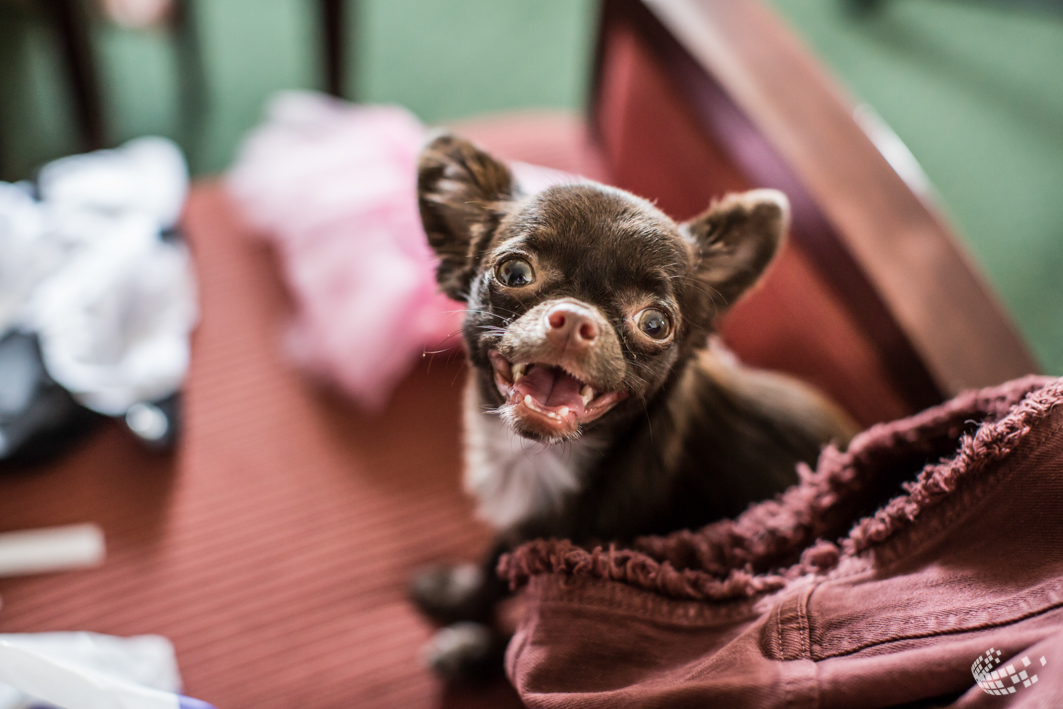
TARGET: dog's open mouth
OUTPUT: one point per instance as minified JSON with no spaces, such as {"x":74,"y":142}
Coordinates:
{"x":547,"y":398}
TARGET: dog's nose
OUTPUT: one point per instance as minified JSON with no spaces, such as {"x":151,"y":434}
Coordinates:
{"x":567,"y":323}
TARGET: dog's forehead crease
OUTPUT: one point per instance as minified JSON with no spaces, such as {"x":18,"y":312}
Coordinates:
{"x":590,"y":227}
{"x":593,"y":207}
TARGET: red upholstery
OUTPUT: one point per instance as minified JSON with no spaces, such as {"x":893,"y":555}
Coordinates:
{"x":274,"y":547}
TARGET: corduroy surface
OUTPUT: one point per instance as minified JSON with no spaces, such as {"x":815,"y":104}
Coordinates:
{"x":274,"y":547}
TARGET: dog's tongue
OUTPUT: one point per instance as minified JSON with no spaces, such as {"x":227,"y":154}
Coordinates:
{"x":551,"y":386}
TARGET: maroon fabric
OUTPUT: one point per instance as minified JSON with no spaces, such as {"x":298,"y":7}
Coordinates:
{"x":805,"y":601}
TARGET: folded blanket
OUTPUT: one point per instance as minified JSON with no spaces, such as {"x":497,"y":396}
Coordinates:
{"x":923,"y":564}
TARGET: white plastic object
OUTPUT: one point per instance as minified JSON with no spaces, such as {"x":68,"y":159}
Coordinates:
{"x":37,"y":551}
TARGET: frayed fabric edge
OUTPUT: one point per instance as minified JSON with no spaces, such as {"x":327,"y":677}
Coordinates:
{"x":740,"y":558}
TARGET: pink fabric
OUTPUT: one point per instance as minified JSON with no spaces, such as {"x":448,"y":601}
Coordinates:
{"x":877,"y":581}
{"x":334,"y":187}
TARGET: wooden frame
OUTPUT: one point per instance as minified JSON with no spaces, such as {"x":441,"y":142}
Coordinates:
{"x":696,"y":97}
{"x":334,"y":45}
{"x":69,"y":23}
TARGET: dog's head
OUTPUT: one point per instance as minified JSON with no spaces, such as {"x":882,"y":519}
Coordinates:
{"x":583,"y":300}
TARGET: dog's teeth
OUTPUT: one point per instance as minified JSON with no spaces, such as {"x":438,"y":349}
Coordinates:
{"x":586,"y":393}
{"x":562,"y":412}
{"x":528,"y":401}
{"x":518,"y":372}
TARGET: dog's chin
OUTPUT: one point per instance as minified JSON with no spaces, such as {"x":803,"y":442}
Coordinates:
{"x":547,"y":402}
{"x":531,"y":424}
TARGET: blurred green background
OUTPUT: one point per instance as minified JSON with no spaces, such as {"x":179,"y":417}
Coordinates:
{"x":973,"y":87}
{"x":443,"y":59}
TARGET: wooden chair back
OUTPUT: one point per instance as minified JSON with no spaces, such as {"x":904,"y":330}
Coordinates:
{"x":873,"y":298}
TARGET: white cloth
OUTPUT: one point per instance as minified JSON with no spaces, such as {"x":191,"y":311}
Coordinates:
{"x":86,"y":268}
{"x":114,"y":322}
{"x":146,"y":175}
{"x":59,"y":664}
{"x":27,"y":254}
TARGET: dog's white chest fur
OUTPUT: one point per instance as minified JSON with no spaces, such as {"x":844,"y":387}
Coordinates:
{"x":513,"y":478}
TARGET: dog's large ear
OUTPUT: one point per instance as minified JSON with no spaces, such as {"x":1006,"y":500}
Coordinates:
{"x":462,"y":193}
{"x":736,"y":239}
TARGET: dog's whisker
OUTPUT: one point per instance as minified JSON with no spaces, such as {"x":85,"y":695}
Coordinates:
{"x":441,"y":344}
{"x":482,"y":312}
{"x":494,"y":329}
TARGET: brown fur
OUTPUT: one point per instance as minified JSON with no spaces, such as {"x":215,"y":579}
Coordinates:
{"x":693,"y":436}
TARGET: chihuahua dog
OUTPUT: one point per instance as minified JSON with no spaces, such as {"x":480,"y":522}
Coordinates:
{"x":596,"y":409}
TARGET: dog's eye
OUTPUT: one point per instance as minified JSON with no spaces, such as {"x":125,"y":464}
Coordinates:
{"x":654,"y":323}
{"x":515,"y":272}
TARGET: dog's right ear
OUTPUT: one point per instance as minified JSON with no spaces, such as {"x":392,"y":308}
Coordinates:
{"x":736,"y":239}
{"x":462,"y":193}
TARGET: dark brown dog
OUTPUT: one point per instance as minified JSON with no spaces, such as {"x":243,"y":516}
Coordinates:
{"x":596,"y":409}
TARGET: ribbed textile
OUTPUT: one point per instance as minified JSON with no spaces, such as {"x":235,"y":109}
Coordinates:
{"x":274,"y":547}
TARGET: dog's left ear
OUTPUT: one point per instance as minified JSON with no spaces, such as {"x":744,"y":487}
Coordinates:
{"x":462,"y":193}
{"x":736,"y":239}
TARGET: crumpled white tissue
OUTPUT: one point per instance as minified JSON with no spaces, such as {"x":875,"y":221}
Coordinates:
{"x":27,"y":253}
{"x":146,"y":660}
{"x":145,"y":175}
{"x":86,"y":268}
{"x":114,"y":322}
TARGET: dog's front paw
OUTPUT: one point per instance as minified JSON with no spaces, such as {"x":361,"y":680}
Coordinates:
{"x":465,"y":652}
{"x":449,"y":593}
